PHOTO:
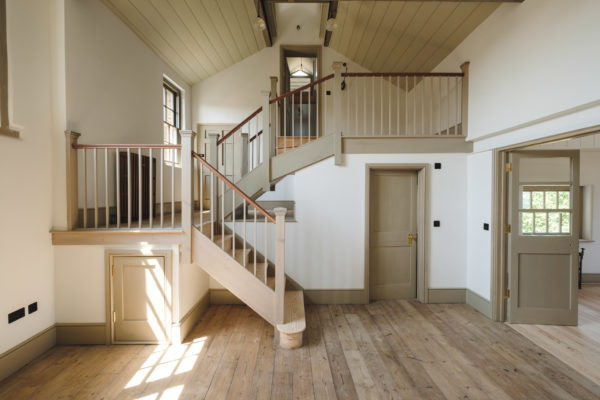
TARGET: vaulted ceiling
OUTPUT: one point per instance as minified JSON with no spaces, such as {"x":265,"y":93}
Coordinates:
{"x":399,"y":36}
{"x":199,"y":38}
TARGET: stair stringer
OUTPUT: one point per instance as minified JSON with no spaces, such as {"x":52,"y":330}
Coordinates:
{"x":233,"y":276}
{"x":259,"y":180}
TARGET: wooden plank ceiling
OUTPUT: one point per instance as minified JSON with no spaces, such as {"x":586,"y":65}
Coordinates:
{"x":197,"y":38}
{"x":404,"y":36}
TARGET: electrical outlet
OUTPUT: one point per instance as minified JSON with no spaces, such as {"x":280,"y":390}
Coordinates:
{"x":15,"y":315}
{"x":32,"y":308}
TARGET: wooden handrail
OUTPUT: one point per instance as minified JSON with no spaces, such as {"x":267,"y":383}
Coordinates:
{"x":255,"y":136}
{"x":421,"y":74}
{"x":233,"y":186}
{"x":238,"y":126}
{"x":301,"y":88}
{"x":127,"y":146}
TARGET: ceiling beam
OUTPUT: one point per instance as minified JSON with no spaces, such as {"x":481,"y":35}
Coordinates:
{"x":260,"y":11}
{"x":333,"y":6}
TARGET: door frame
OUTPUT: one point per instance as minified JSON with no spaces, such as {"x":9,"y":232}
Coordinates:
{"x":318,"y":49}
{"x":170,"y":292}
{"x":499,"y":275}
{"x":422,"y":171}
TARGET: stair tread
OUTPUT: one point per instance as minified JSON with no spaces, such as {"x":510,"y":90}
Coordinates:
{"x":260,"y":269}
{"x":219,"y":238}
{"x":295,"y":321}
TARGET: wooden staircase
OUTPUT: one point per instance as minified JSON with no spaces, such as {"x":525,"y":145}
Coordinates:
{"x":233,"y":259}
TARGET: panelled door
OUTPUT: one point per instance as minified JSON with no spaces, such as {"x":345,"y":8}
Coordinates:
{"x":392,"y":233}
{"x":138,"y":297}
{"x":544,"y":237}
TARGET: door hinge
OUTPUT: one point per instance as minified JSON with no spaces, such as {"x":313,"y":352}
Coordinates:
{"x":506,"y":293}
{"x":507,"y":228}
{"x":508,"y":167}
{"x":114,"y":317}
{"x":113,"y":270}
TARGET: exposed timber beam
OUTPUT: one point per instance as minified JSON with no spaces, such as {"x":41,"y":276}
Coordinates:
{"x":333,"y":6}
{"x":269,"y":22}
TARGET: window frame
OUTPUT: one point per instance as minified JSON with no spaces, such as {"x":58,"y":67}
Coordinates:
{"x":546,"y":211}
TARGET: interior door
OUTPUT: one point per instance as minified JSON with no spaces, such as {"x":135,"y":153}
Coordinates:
{"x":139,"y":304}
{"x":393,"y":227}
{"x":544,"y":237}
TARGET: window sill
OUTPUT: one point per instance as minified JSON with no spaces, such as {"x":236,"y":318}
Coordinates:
{"x":9,"y":132}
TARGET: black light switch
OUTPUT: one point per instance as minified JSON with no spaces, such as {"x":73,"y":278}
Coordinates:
{"x":15,"y":315}
{"x":437,"y":224}
{"x":32,"y":308}
{"x":328,"y":92}
{"x":437,"y":165}
{"x":486,"y":226}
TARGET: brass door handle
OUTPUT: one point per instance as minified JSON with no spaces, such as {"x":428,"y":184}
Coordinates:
{"x":410,"y":238}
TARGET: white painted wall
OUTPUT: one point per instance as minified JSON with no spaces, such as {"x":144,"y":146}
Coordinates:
{"x":113,"y":95}
{"x":234,"y":93}
{"x":530,"y":61}
{"x":81,"y":275}
{"x":114,"y":81}
{"x":26,"y":179}
{"x":479,"y":242}
{"x":325,"y":248}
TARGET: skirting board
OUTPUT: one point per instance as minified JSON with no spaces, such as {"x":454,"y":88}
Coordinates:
{"x":80,"y":333}
{"x":590,"y":278}
{"x":479,"y":303}
{"x":448,"y":296}
{"x":23,"y":353}
{"x":339,"y":296}
{"x":191,"y":318}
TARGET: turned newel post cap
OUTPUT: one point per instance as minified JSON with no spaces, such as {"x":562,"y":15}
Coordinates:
{"x":187,"y":133}
{"x":280,"y":211}
{"x":74,"y":135}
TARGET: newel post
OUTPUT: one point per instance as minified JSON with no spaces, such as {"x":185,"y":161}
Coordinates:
{"x":71,"y":174}
{"x":279,"y":263}
{"x":273,"y":113}
{"x":187,"y":200}
{"x":464,"y":107}
{"x":213,"y":159}
{"x":337,"y":97}
{"x":244,"y":155}
{"x":266,"y":138}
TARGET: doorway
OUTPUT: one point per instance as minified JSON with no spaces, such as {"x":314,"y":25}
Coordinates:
{"x":542,"y":252}
{"x":299,"y":117}
{"x":139,"y":307}
{"x":394,"y":210}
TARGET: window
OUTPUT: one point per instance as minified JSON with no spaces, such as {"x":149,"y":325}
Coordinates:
{"x":171,"y":119}
{"x":546,"y":210}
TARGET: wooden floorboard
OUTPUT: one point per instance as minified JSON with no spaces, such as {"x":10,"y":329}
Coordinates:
{"x":384,"y":350}
{"x":577,"y":346}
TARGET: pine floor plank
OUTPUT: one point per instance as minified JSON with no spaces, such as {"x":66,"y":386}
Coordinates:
{"x":387,"y":349}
